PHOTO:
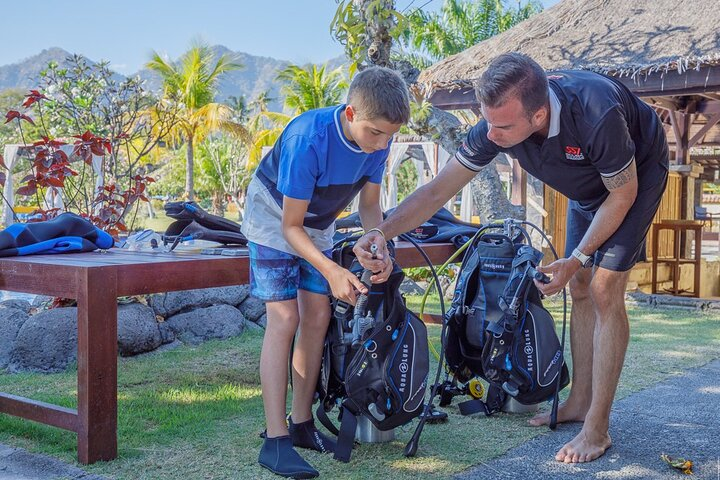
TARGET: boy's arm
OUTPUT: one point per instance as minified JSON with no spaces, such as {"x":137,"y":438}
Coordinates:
{"x":371,"y":215}
{"x":415,"y":209}
{"x":342,"y":282}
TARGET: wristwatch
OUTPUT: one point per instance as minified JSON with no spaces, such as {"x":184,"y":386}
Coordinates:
{"x":585,"y":260}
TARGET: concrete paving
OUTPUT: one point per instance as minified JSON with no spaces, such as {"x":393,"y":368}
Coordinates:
{"x":18,"y":464}
{"x":679,"y":417}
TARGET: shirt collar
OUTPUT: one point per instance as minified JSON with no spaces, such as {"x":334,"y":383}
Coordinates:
{"x":555,"y":107}
{"x":338,"y":127}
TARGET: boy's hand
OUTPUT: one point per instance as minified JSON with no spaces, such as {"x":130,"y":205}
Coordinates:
{"x":344,"y":285}
{"x":374,"y":260}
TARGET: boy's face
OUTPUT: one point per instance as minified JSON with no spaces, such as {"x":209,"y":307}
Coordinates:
{"x":370,"y":135}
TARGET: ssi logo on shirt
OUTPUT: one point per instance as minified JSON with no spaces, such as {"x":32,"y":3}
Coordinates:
{"x":574,"y":153}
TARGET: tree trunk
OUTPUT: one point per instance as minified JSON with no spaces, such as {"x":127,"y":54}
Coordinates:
{"x":189,"y":169}
{"x":489,"y":196}
{"x":239,"y":200}
{"x":218,"y":205}
{"x":151,"y":210}
{"x":377,"y":33}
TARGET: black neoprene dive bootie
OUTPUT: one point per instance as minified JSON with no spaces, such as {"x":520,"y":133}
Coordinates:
{"x":305,"y":435}
{"x":278,"y":455}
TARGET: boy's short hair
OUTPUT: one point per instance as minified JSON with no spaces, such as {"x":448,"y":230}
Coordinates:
{"x":513,"y":75}
{"x":378,"y":92}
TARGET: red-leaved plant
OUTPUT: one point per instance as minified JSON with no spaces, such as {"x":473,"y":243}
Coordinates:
{"x":50,"y":167}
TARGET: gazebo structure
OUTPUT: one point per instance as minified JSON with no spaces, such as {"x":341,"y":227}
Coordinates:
{"x":666,"y":53}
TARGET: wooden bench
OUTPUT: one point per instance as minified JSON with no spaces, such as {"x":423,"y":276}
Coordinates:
{"x":96,"y":279}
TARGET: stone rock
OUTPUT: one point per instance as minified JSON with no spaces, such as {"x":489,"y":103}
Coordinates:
{"x":166,"y":333}
{"x":11,"y":320}
{"x":16,"y":303}
{"x":252,"y":308}
{"x":46,"y":342}
{"x":170,"y":303}
{"x":409,"y":287}
{"x":216,"y":322}
{"x":138,"y":330}
{"x":41,"y":300}
{"x":253,"y":326}
{"x":262,"y":321}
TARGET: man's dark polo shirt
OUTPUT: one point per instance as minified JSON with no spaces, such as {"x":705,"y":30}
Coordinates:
{"x":597,"y":127}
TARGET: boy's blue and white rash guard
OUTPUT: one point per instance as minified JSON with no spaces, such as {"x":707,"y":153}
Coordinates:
{"x":312,"y":160}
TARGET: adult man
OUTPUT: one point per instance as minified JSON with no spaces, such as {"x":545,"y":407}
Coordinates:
{"x":591,"y":139}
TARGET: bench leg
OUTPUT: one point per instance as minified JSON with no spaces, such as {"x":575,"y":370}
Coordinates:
{"x":97,"y":366}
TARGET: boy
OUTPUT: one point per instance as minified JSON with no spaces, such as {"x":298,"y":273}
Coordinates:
{"x":322,"y":159}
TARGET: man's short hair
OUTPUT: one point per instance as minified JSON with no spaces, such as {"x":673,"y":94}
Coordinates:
{"x":513,"y":75}
{"x":379,"y":92}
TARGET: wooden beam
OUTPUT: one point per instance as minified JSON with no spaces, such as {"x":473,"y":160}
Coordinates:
{"x":711,"y":122}
{"x":704,"y":80}
{"x":711,"y":96}
{"x":42,"y":412}
{"x":518,"y":191}
{"x":457,"y":98}
{"x":709,"y":107}
{"x":680,"y":124}
{"x":693,"y":170}
{"x":705,"y":144}
{"x":703,"y":158}
{"x":666,"y":103}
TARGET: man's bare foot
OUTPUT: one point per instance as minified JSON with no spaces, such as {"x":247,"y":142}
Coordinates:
{"x":567,"y":412}
{"x":586,"y":447}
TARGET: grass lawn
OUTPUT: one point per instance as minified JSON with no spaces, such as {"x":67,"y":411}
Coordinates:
{"x":196,"y":412}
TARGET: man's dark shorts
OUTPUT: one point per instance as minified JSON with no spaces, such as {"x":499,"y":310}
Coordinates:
{"x":627,"y":245}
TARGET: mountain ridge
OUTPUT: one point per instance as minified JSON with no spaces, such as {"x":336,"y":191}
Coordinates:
{"x":257,"y":75}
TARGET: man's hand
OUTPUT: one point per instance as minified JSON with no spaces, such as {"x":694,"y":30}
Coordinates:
{"x":561,"y":272}
{"x":379,"y":260}
{"x":345,"y":285}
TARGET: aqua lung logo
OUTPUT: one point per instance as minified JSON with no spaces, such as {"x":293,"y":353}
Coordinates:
{"x":529,"y":350}
{"x":404,"y":367}
{"x":494,"y":267}
{"x":555,"y":360}
{"x":574,"y":153}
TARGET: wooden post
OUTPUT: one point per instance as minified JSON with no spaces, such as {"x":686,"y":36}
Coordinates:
{"x":518,"y":191}
{"x":97,"y":364}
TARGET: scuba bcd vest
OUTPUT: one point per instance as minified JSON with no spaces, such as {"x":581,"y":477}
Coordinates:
{"x":375,"y":361}
{"x":497,"y":326}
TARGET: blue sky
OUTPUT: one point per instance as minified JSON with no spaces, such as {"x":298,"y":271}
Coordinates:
{"x":125,"y":32}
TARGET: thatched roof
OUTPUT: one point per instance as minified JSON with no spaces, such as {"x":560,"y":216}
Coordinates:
{"x":616,"y":37}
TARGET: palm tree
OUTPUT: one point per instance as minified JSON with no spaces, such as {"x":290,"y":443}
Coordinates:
{"x":261,"y":102}
{"x":240,"y":107}
{"x":310,"y":87}
{"x":265,"y":128}
{"x":459,"y":25}
{"x":191,"y":83}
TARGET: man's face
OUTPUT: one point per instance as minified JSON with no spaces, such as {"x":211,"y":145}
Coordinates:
{"x":371,"y":135}
{"x":508,"y":124}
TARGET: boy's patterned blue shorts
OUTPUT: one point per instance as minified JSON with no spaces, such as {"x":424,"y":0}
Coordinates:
{"x":276,"y":275}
